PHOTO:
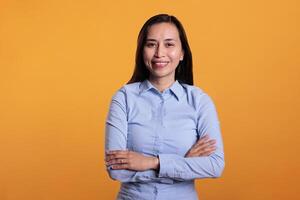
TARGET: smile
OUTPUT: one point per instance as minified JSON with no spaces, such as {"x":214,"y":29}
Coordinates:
{"x":160,"y":63}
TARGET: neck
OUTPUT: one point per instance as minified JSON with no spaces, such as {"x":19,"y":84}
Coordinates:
{"x":161,"y":84}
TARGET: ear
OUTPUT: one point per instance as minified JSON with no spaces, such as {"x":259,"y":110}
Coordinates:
{"x":182,"y":55}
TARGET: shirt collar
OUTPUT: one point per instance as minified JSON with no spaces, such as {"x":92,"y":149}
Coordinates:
{"x":176,"y":88}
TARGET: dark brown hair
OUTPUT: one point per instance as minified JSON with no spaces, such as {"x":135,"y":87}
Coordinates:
{"x":184,"y":70}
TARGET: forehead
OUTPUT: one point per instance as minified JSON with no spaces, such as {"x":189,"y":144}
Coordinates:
{"x":162,"y":31}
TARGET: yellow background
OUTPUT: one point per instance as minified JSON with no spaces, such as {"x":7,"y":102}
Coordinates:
{"x":61,"y":61}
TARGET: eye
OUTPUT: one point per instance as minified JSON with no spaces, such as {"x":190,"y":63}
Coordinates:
{"x":150,"y":44}
{"x":170,"y":44}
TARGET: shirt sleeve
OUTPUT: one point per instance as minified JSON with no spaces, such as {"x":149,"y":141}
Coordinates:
{"x":116,"y":139}
{"x":181,"y":168}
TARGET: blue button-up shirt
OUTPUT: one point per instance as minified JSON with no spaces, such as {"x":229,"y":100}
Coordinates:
{"x":164,"y":124}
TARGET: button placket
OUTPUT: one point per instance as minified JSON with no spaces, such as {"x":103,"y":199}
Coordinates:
{"x":161,"y":113}
{"x":161,"y":110}
{"x":157,"y":140}
{"x":159,"y":117}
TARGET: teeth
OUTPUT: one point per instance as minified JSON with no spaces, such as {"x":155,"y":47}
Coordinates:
{"x":160,"y":64}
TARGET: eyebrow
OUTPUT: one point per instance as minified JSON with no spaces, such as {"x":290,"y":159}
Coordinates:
{"x":154,"y":40}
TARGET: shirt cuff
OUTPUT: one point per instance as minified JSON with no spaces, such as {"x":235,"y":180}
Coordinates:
{"x":165,"y":166}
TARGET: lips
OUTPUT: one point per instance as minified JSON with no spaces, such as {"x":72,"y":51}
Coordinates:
{"x":160,"y":63}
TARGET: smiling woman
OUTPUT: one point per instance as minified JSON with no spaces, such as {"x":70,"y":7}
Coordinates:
{"x":162,"y":52}
{"x":162,"y":132}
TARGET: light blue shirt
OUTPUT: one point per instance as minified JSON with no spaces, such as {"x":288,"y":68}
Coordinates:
{"x":164,"y":124}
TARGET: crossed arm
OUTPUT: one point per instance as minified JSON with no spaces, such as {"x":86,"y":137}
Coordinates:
{"x":130,"y":160}
{"x":204,"y":160}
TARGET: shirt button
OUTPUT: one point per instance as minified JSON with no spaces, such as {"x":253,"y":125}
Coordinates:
{"x":155,"y":190}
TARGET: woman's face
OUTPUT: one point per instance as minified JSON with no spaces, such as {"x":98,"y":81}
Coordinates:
{"x":162,"y":51}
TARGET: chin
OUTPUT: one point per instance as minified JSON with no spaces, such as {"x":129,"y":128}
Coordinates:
{"x":160,"y":75}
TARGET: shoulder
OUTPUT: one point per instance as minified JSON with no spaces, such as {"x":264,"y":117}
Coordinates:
{"x":195,"y":92}
{"x":126,"y":90}
{"x":192,"y":89}
{"x":132,"y":87}
{"x":197,"y":96}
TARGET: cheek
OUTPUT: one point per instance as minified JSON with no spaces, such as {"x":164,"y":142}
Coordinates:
{"x":175,"y":55}
{"x":147,"y":56}
{"x":146,"y":61}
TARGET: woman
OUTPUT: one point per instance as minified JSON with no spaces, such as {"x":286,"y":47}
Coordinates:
{"x":162,"y":132}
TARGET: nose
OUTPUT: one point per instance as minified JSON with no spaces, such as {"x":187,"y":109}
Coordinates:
{"x":159,"y":52}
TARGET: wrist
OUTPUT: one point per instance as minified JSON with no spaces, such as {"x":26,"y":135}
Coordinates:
{"x":155,"y":163}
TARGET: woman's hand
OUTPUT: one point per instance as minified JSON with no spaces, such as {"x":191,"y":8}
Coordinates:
{"x":203,"y":147}
{"x":124,"y":159}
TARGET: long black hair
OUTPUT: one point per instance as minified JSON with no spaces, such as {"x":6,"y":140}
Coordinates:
{"x":184,"y":70}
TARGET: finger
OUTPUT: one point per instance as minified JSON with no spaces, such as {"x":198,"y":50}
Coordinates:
{"x":117,"y":161}
{"x":199,"y":153}
{"x":198,"y":146}
{"x":121,"y":166}
{"x":116,"y":152}
{"x":208,"y":144}
{"x":204,"y":145}
{"x":116,"y":156}
{"x":207,"y":151}
{"x":196,"y":151}
{"x":202,"y":140}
